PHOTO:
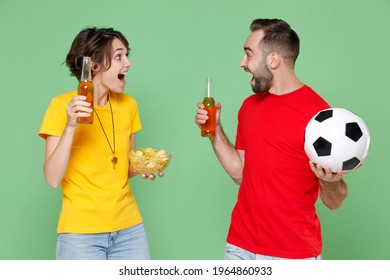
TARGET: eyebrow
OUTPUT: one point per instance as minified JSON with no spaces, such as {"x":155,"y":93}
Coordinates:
{"x":122,"y":49}
{"x":119,"y":49}
{"x":248,"y":49}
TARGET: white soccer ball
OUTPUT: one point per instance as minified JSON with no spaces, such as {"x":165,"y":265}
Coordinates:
{"x":337,"y":138}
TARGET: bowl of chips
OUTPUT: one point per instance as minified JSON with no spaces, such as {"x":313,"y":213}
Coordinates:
{"x":149,"y":160}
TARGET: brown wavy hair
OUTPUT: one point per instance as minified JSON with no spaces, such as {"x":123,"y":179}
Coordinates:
{"x":95,"y":43}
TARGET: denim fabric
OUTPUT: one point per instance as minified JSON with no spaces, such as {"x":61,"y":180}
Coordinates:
{"x":233,"y":252}
{"x":127,"y":244}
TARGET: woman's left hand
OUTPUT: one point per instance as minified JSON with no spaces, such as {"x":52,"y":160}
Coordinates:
{"x":152,"y":176}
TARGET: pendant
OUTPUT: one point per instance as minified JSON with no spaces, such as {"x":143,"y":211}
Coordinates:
{"x":114,"y":161}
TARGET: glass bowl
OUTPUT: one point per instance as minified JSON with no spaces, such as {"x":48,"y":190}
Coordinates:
{"x":149,"y":160}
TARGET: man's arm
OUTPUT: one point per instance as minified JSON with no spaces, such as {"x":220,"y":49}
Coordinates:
{"x":231,"y":159}
{"x":333,"y":189}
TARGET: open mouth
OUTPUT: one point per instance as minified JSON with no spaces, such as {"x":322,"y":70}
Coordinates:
{"x":121,"y":76}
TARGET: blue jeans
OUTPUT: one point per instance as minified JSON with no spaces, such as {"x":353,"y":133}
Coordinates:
{"x":233,"y":252}
{"x":127,"y":244}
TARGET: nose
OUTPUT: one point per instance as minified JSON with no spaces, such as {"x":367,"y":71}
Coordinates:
{"x":127,"y":63}
{"x":243,"y":62}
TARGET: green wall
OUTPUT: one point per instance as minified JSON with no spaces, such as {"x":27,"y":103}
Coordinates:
{"x":175,"y":45}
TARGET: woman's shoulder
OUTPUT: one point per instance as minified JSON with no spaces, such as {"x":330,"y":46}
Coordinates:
{"x":66,"y":96}
{"x":63,"y":99}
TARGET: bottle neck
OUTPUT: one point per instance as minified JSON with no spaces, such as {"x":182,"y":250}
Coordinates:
{"x":208,"y":100}
{"x":86,"y":73}
{"x":208,"y":88}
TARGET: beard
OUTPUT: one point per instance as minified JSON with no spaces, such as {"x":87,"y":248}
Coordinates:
{"x":262,"y":80}
{"x":261,"y":84}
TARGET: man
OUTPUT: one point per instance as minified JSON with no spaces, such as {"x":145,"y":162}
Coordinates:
{"x":275,"y":215}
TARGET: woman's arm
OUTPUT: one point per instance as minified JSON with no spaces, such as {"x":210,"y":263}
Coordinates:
{"x":58,"y":149}
{"x":57,"y":156}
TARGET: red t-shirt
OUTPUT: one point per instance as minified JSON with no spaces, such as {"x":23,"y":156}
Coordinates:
{"x":275,"y":212}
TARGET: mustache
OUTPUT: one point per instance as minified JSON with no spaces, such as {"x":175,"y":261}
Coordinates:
{"x":246,"y":69}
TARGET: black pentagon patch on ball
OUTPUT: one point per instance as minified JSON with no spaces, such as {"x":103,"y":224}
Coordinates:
{"x":351,"y":163}
{"x":322,"y":147}
{"x":353,"y":131}
{"x":324,"y":115}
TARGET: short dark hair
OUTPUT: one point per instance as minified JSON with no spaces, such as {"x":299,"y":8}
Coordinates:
{"x":95,"y":43}
{"x":278,"y":36}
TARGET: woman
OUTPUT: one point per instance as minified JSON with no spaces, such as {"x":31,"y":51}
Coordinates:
{"x":99,"y":217}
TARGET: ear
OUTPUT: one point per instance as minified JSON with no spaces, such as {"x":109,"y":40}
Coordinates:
{"x":95,"y":67}
{"x":273,"y":60}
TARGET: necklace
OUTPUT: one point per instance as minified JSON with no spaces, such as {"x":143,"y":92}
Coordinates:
{"x":114,"y":159}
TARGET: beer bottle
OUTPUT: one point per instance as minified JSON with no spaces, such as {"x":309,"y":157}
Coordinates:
{"x":208,"y":128}
{"x":86,"y":88}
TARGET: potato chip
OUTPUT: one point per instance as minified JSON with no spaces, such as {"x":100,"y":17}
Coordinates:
{"x":149,"y":160}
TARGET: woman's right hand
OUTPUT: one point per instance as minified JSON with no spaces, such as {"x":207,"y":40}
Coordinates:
{"x":77,"y":108}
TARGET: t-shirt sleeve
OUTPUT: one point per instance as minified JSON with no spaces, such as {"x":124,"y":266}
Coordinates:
{"x":54,"y":120}
{"x":239,"y":144}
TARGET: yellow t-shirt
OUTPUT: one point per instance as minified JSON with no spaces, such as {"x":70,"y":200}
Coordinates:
{"x":95,"y":196}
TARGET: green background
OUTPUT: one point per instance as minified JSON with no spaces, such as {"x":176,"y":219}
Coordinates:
{"x":175,"y":45}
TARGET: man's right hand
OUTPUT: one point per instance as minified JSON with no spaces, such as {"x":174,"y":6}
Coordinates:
{"x":201,"y":114}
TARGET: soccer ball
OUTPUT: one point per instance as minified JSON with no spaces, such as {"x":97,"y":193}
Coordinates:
{"x":337,"y":138}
